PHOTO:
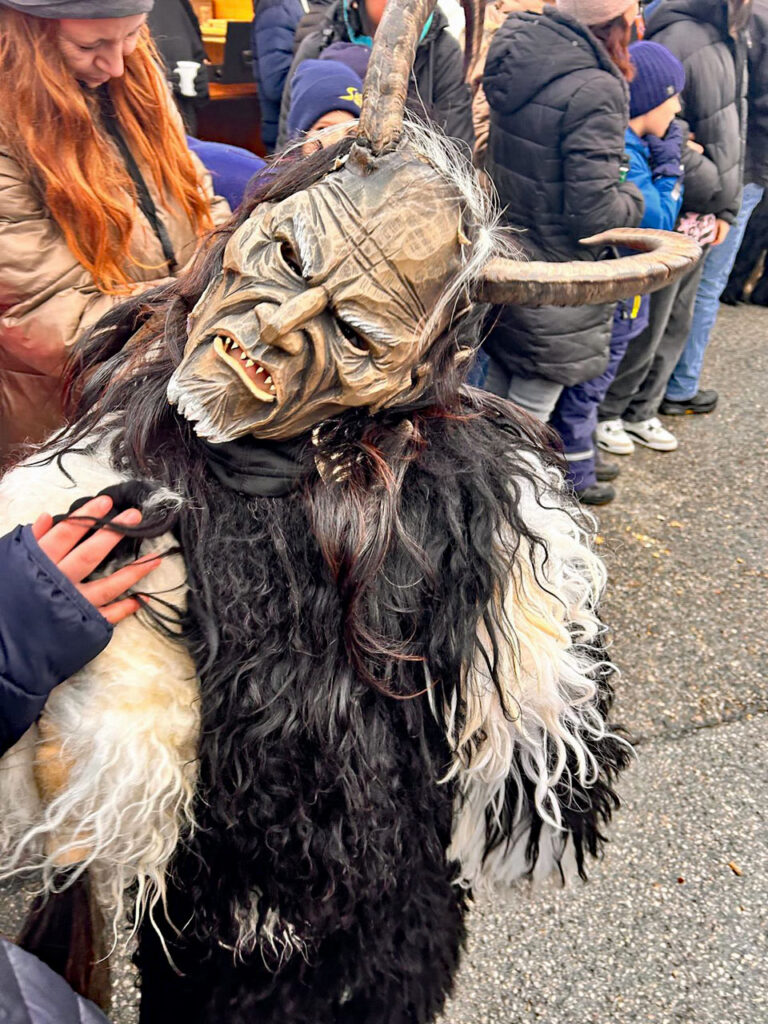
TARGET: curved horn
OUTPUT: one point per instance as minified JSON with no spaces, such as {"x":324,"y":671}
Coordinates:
{"x":665,"y":256}
{"x":389,"y":67}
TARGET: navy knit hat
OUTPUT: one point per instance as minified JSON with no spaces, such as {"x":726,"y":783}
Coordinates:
{"x":659,"y":75}
{"x":351,"y":54}
{"x":318,"y":87}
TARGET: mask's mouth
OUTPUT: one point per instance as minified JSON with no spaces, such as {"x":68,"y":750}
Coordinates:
{"x":256,"y":377}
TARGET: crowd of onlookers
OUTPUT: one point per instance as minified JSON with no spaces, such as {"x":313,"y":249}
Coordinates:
{"x":584,"y":116}
{"x":580,"y":130}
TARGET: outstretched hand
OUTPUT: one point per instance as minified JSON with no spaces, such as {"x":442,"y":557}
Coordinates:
{"x":77,"y":558}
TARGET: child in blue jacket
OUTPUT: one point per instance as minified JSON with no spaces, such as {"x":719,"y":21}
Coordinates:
{"x":653,"y":141}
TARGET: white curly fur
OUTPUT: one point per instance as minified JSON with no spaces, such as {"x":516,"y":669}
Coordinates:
{"x":546,"y":620}
{"x":127,"y":725}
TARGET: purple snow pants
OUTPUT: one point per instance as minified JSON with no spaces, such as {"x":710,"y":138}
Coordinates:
{"x":575,"y":415}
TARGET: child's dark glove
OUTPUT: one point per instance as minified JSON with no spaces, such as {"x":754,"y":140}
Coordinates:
{"x":665,"y":154}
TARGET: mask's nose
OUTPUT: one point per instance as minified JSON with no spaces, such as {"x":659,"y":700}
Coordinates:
{"x":279,"y":323}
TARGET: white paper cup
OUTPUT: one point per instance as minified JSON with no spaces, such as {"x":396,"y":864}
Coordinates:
{"x":187,"y":72}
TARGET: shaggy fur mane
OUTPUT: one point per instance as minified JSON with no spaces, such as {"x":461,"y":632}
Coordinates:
{"x":402,"y":686}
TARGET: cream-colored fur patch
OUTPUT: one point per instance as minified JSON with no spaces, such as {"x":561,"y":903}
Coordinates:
{"x":117,"y":742}
{"x":543,"y":622}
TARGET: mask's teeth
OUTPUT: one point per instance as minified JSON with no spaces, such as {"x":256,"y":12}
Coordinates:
{"x":267,"y":380}
{"x":249,"y":362}
{"x":243,"y":355}
{"x":273,"y":389}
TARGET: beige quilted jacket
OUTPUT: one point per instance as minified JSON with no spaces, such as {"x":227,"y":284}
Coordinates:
{"x":47,"y":298}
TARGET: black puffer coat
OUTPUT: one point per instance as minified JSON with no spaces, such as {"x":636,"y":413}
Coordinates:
{"x":714,"y":99}
{"x":559,"y":110}
{"x":756,"y":168}
{"x":437,"y":83}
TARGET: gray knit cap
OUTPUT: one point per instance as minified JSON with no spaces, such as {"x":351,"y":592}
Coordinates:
{"x":80,"y":8}
{"x":588,"y":12}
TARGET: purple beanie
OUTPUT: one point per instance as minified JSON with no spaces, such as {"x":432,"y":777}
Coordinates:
{"x":318,"y":87}
{"x":659,"y":75}
{"x":353,"y":55}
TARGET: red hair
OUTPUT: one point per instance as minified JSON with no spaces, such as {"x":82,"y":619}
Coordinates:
{"x":616,"y":35}
{"x":58,"y":141}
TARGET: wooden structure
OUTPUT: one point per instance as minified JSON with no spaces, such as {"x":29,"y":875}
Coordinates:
{"x":233,"y":115}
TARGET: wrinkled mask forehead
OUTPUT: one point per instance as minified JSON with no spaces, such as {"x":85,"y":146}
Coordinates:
{"x":386,"y":241}
{"x":322,"y":302}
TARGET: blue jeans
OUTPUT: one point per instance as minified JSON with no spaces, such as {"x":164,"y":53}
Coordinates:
{"x":684,"y":382}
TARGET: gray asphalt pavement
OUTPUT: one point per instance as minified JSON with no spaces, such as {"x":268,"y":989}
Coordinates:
{"x":672,"y":927}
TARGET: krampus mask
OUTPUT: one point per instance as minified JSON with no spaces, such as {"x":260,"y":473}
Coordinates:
{"x":383,"y":685}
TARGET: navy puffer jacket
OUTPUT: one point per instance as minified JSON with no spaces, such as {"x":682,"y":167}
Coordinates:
{"x":272,"y":34}
{"x":31,"y":993}
{"x":47,"y":632}
{"x":559,"y":111}
{"x":714,"y":99}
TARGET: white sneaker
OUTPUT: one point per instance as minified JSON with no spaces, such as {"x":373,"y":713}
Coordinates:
{"x":651,"y":434}
{"x":612,"y":437}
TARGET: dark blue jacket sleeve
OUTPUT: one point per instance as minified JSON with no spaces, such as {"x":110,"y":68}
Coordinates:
{"x":47,"y":632}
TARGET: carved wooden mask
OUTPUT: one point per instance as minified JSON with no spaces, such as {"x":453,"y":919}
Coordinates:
{"x":322,"y":303}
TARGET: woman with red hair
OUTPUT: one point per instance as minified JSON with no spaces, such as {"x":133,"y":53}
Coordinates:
{"x":100,"y":197}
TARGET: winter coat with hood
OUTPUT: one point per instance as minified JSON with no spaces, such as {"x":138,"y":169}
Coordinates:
{"x":48,"y":298}
{"x":559,"y":111}
{"x":756,"y":169}
{"x":437,"y":83}
{"x":714,"y":99}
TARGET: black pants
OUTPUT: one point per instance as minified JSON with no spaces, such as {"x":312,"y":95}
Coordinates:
{"x":641,"y":382}
{"x":754,"y":242}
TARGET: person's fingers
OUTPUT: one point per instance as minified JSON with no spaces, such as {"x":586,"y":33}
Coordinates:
{"x":42,"y":525}
{"x":103,"y":592}
{"x":58,"y":542}
{"x":83,"y":559}
{"x":120,"y":610}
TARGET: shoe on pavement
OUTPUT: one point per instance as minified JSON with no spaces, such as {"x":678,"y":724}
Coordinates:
{"x":605,"y":470}
{"x":759,"y":296}
{"x":596,"y":494}
{"x":702,"y":401}
{"x":612,"y":437}
{"x":652,"y":434}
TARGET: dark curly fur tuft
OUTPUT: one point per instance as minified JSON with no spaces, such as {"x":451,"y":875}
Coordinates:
{"x":331,"y":629}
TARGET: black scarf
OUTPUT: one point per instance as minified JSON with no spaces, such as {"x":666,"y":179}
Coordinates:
{"x":263,"y":469}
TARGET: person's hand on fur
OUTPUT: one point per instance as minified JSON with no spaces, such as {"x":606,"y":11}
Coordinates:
{"x":77,"y":558}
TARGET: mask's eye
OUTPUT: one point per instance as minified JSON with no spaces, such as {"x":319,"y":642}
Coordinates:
{"x":289,"y":258}
{"x":353,"y":337}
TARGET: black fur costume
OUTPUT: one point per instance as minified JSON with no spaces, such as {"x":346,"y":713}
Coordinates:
{"x":331,"y":627}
